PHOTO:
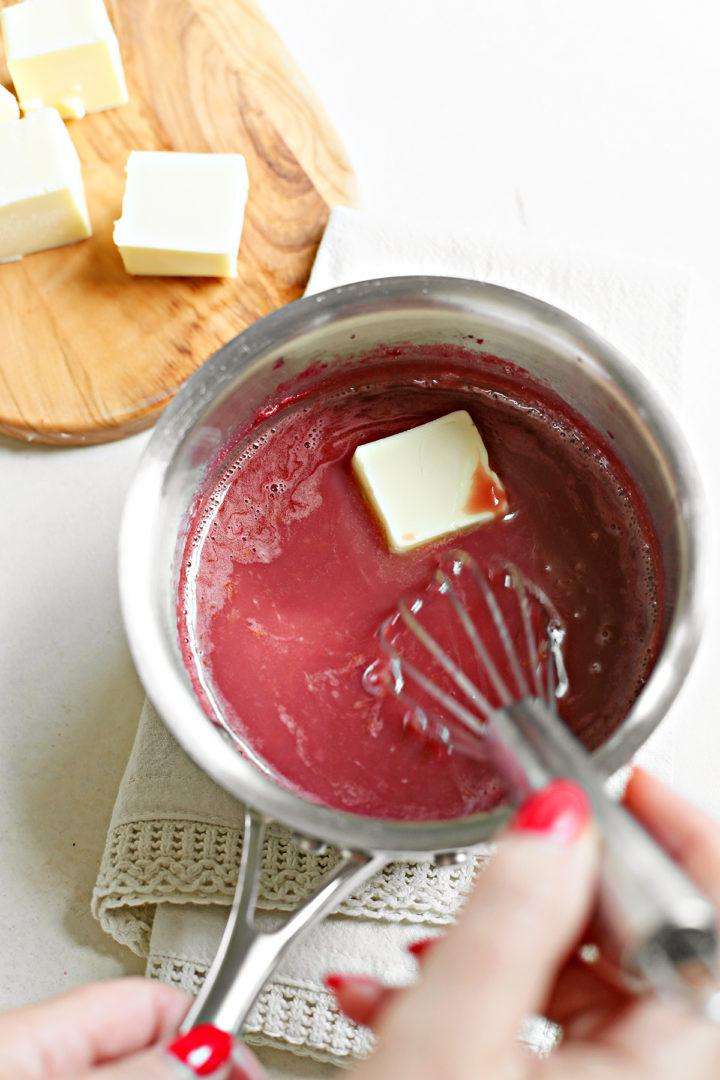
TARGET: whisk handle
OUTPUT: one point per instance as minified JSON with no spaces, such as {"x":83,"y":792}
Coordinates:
{"x":664,"y":928}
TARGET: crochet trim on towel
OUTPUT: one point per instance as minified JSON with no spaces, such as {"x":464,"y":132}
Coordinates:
{"x":175,"y":861}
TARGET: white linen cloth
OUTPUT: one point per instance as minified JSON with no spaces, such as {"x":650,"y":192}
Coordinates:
{"x":170,"y":863}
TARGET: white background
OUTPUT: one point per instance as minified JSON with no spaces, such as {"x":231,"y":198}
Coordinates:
{"x":588,"y":121}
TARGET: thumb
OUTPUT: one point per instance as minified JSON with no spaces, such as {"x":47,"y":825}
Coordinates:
{"x":500,"y":962}
{"x":204,"y":1051}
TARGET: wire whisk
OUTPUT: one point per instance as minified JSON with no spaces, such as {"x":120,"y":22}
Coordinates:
{"x":515,"y":638}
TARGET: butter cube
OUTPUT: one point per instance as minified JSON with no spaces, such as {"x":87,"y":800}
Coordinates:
{"x":431,"y":481}
{"x":42,"y":200}
{"x":9,"y":109}
{"x":64,"y":54}
{"x":182,"y":214}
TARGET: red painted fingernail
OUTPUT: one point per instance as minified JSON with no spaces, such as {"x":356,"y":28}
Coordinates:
{"x":560,"y":811}
{"x":203,"y":1050}
{"x":337,"y":981}
{"x":361,"y":997}
{"x":419,"y":948}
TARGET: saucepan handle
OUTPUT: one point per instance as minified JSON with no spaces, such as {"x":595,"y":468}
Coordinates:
{"x":247,"y":955}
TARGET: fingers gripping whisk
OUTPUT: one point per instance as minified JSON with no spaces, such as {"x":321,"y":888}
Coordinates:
{"x":478,"y":658}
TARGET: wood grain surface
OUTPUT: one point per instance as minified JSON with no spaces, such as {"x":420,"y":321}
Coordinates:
{"x":89,"y":353}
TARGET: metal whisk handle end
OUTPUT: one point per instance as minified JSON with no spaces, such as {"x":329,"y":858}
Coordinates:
{"x":663,"y":927}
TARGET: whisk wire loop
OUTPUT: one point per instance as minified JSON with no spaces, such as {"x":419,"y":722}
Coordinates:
{"x":461,"y":680}
{"x":499,"y":621}
{"x":530,"y":636}
{"x":401,"y":669}
{"x":474,"y":636}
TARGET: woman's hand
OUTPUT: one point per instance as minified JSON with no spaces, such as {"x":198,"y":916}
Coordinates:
{"x":514,"y":951}
{"x":117,"y":1030}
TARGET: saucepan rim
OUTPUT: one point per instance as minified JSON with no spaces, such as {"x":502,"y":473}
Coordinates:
{"x":158,"y":659}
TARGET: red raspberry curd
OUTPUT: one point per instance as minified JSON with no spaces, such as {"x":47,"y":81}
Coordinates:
{"x":286,"y":579}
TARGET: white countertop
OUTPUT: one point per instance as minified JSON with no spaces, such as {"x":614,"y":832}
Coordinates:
{"x":594,"y":122}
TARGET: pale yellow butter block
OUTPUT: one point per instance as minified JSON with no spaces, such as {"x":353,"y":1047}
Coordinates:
{"x":9,"y":108}
{"x":64,"y":54}
{"x":42,"y":199}
{"x":182,"y":214}
{"x":430,"y":481}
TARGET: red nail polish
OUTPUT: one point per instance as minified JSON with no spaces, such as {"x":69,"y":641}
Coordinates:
{"x":335,"y":981}
{"x":361,"y":997}
{"x":560,"y":811}
{"x":204,"y":1049}
{"x":419,"y":948}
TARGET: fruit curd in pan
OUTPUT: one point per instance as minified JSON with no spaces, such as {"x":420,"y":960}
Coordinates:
{"x":286,"y":577}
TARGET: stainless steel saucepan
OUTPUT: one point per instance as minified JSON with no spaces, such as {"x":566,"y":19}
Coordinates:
{"x":328,"y":329}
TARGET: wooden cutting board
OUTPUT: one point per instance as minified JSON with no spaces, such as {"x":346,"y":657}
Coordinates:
{"x":89,"y":353}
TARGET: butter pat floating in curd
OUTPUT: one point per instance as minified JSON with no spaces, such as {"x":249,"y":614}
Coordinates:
{"x":64,"y":54}
{"x":182,"y":214}
{"x":9,"y":109}
{"x":42,"y":200}
{"x":431,"y":481}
